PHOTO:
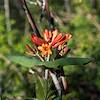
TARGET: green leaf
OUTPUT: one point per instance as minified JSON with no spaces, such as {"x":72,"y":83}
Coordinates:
{"x":67,"y":61}
{"x":40,"y":88}
{"x":32,"y":61}
{"x":70,"y":69}
{"x":72,"y":94}
{"x":25,"y":61}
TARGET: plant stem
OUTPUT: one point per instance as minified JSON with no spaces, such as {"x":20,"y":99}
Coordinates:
{"x":30,"y":18}
{"x":40,"y":57}
{"x":56,"y":82}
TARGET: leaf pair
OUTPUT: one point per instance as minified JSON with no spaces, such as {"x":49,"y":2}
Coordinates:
{"x":30,"y":62}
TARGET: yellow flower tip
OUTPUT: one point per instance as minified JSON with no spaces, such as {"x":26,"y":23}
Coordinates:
{"x":45,"y":49}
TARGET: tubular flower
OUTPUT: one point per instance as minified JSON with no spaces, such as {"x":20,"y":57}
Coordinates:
{"x":45,"y":49}
{"x":51,"y":39}
{"x":37,"y":40}
{"x":30,"y":50}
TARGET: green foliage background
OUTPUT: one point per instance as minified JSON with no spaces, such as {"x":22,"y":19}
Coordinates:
{"x":82,"y":21}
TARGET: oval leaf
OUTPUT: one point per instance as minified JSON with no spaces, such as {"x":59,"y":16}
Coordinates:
{"x":25,"y":61}
{"x":67,"y":61}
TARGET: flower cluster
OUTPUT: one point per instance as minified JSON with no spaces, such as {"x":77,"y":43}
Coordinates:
{"x":51,"y":40}
{"x":44,"y":47}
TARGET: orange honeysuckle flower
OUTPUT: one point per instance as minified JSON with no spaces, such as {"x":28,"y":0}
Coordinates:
{"x":61,"y":40}
{"x":51,"y":39}
{"x":56,"y":39}
{"x":30,"y":50}
{"x":47,"y":35}
{"x":45,"y":49}
{"x":37,"y":40}
{"x":54,"y":34}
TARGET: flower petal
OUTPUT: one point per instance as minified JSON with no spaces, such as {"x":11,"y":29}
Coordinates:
{"x":57,"y":39}
{"x":63,"y":40}
{"x":29,"y":48}
{"x":54,"y":34}
{"x":36,"y":40}
{"x":40,"y":48}
{"x":68,"y":36}
{"x":60,"y":42}
{"x":45,"y":49}
{"x":47,"y":35}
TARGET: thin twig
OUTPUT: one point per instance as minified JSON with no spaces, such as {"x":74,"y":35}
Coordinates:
{"x":30,"y":18}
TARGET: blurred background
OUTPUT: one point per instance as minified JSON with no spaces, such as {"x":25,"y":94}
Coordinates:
{"x":81,"y":18}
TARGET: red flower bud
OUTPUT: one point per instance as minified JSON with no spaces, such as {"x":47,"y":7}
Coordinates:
{"x":36,"y":40}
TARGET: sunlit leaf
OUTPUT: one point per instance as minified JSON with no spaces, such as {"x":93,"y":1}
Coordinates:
{"x":25,"y":61}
